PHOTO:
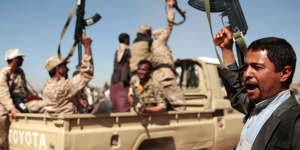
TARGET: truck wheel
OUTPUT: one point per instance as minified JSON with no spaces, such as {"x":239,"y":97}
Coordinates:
{"x":158,"y":144}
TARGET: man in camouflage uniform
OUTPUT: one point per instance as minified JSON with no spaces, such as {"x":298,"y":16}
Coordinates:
{"x":60,"y":92}
{"x":148,"y":92}
{"x":12,"y":83}
{"x":164,"y":63}
{"x":140,"y":50}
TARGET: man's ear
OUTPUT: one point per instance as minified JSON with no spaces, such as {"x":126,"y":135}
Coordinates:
{"x":285,"y":73}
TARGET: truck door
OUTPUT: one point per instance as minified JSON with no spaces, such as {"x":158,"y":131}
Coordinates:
{"x":192,"y":82}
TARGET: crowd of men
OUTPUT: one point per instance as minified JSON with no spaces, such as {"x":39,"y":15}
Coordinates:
{"x":144,"y":80}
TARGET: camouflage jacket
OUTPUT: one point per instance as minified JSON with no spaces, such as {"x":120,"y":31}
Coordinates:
{"x":140,"y":49}
{"x":60,"y":95}
{"x":151,"y":95}
{"x":12,"y":83}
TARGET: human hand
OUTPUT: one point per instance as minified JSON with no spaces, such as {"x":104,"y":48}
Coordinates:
{"x":224,"y":38}
{"x":171,"y":3}
{"x":225,"y":42}
{"x":86,"y":40}
{"x":14,"y":111}
{"x":139,"y":108}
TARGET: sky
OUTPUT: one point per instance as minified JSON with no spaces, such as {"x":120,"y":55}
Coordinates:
{"x":34,"y":27}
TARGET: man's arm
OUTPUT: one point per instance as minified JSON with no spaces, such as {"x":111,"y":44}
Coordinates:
{"x":166,"y":32}
{"x":86,"y":71}
{"x":154,"y":109}
{"x":224,"y":36}
{"x":5,"y":98}
{"x":233,"y":84}
{"x":171,"y":17}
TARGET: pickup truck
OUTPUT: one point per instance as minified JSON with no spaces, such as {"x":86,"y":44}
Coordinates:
{"x":208,"y":123}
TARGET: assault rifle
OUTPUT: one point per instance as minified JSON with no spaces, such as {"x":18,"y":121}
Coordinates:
{"x":237,"y":21}
{"x":81,"y":23}
{"x":141,"y":114}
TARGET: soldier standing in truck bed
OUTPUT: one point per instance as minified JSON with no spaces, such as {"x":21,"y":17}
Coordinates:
{"x":164,"y":63}
{"x":120,"y":77}
{"x":60,"y":92}
{"x":140,"y":50}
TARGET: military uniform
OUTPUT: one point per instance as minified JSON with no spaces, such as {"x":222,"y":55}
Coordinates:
{"x":163,"y":63}
{"x":10,"y":83}
{"x":140,"y":49}
{"x":60,"y":94}
{"x":150,"y":95}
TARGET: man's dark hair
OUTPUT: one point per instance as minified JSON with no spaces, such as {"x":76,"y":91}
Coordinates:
{"x":123,"y":37}
{"x":279,"y":51}
{"x":144,"y":61}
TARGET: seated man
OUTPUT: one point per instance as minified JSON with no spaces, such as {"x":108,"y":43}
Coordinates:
{"x":60,"y":92}
{"x":13,"y":92}
{"x":147,"y":93}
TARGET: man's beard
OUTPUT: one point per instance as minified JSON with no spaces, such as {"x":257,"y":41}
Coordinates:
{"x":19,"y":63}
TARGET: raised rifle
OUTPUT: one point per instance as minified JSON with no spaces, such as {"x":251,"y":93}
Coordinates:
{"x":81,"y":23}
{"x":236,"y":20}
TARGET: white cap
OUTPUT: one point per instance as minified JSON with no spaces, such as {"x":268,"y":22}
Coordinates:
{"x":13,"y":53}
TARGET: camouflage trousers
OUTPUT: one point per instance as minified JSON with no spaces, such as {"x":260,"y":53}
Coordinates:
{"x":4,"y":127}
{"x":175,"y":96}
{"x":172,"y":91}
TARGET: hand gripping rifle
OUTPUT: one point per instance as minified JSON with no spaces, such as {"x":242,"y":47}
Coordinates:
{"x":81,"y":23}
{"x":141,"y":114}
{"x":181,"y":12}
{"x":237,"y":21}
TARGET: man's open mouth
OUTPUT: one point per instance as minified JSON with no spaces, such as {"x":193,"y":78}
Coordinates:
{"x":251,"y":87}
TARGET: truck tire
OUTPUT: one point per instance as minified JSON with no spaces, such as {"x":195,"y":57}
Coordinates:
{"x":158,"y":144}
